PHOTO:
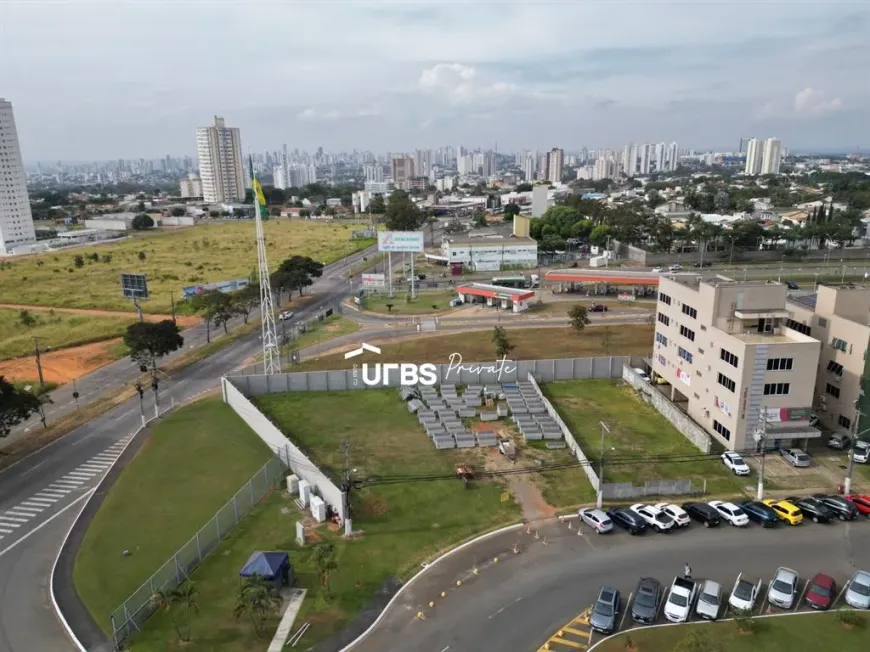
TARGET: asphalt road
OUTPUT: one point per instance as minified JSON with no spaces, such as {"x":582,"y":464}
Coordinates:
{"x":519,"y":602}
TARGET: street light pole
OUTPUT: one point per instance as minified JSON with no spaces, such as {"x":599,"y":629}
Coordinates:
{"x":731,"y":253}
{"x":847,"y":484}
{"x":760,"y":437}
{"x":604,"y":431}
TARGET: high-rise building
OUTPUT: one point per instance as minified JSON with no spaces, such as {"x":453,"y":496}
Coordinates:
{"x":555,"y":164}
{"x":605,"y":166}
{"x":279,"y":177}
{"x":374,"y":173}
{"x":402,"y":170}
{"x":673,"y":157}
{"x":16,"y":220}
{"x":220,"y":163}
{"x":754,"y":154}
{"x":772,"y":157}
{"x":744,"y":143}
{"x":660,"y":152}
{"x":644,"y":152}
{"x":530,"y":166}
{"x":191,"y":187}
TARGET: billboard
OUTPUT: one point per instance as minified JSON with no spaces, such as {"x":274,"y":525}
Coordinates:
{"x":134,"y":286}
{"x":400,"y":241}
{"x":786,"y":415}
{"x":374,"y":281}
{"x":220,"y":286}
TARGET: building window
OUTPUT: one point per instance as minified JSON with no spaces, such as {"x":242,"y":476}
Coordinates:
{"x":689,"y":310}
{"x":664,"y":319}
{"x":776,"y":389}
{"x":797,"y":326}
{"x":823,"y":322}
{"x":832,"y":390}
{"x":844,"y":421}
{"x":835,"y":368}
{"x":780,"y":364}
{"x":685,"y":355}
{"x":722,"y":430}
{"x":688,"y":333}
{"x":664,"y":298}
{"x":726,"y":382}
{"x":661,"y":339}
{"x":840,"y":345}
{"x":729,"y":357}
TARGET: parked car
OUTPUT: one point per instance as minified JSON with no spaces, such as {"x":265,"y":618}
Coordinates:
{"x":796,"y":457}
{"x":744,"y":593}
{"x":654,"y":517}
{"x":605,"y":611}
{"x":709,"y":600}
{"x":703,"y":513}
{"x":730,"y":512}
{"x":861,"y":452}
{"x":596,"y":519}
{"x":286,"y":315}
{"x":735,"y":463}
{"x":647,"y":597}
{"x":838,"y":441}
{"x":627,"y":519}
{"x":760,"y":513}
{"x":844,"y":509}
{"x":676,"y":268}
{"x":821,"y":591}
{"x":791,"y":285}
{"x":597,"y":307}
{"x":783,"y":588}
{"x":858,"y":590}
{"x":813,"y":509}
{"x":861,"y":503}
{"x":657,"y":270}
{"x":678,"y":606}
{"x":640,"y":372}
{"x":675,"y":512}
{"x":706,"y":263}
{"x":785,"y":511}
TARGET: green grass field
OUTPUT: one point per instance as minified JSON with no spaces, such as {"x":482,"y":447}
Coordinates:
{"x":55,"y":330}
{"x":202,"y":254}
{"x":425,"y":303}
{"x":805,"y":633}
{"x":321,"y":332}
{"x":190,"y":465}
{"x":636,"y":430}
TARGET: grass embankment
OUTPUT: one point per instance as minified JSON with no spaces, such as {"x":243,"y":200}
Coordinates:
{"x":529,"y":344}
{"x":402,"y":304}
{"x":55,"y":330}
{"x":190,"y":465}
{"x":202,"y":254}
{"x":637,"y":430}
{"x":802,"y":633}
{"x":402,"y":525}
{"x":320,"y":332}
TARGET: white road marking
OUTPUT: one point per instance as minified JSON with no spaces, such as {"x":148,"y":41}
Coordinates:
{"x":44,"y":498}
{"x":56,"y":490}
{"x":13,"y":519}
{"x":25,"y":507}
{"x":37,"y":502}
{"x":16,"y":525}
{"x":84,"y":496}
{"x":625,"y":613}
{"x":94,"y":467}
{"x":69,"y":483}
{"x":79,"y":474}
{"x":5,"y":531}
{"x":27,"y":513}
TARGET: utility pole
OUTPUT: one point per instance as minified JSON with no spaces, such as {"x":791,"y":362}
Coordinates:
{"x":76,"y":394}
{"x":604,"y":431}
{"x":141,"y":393}
{"x":347,"y":484}
{"x":172,"y":303}
{"x":847,"y":484}
{"x":760,"y":437}
{"x":38,"y":362}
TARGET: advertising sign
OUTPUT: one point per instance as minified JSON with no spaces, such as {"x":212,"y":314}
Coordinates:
{"x":220,"y":286}
{"x":400,"y":241}
{"x":723,"y":406}
{"x":374,"y":281}
{"x":684,"y":377}
{"x":786,"y":415}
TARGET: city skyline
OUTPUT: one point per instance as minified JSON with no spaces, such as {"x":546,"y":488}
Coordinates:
{"x":364,"y":89}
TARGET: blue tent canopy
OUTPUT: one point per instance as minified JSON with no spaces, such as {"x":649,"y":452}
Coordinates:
{"x":271,"y":565}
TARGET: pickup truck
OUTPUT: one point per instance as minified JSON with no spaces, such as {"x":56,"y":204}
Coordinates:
{"x":678,"y":606}
{"x":506,"y":448}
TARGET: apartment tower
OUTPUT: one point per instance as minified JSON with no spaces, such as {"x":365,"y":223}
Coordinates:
{"x":16,"y":221}
{"x":221,"y":170}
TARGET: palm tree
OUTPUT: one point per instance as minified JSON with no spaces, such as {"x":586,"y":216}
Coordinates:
{"x":185,"y":595}
{"x":324,"y":560}
{"x":163,"y":601}
{"x":256,"y":599}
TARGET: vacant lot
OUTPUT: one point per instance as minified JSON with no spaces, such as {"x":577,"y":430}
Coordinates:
{"x":529,"y":344}
{"x":636,"y":431}
{"x":202,"y":254}
{"x":190,"y":465}
{"x":402,"y":304}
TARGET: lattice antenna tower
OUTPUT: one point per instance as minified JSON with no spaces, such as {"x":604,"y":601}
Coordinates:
{"x":271,"y":353}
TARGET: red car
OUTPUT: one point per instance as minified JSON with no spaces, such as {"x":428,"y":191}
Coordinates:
{"x":862,"y":503}
{"x":821,"y":591}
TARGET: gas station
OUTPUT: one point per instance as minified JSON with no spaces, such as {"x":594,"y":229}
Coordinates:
{"x":600,"y":282}
{"x":514,"y":299}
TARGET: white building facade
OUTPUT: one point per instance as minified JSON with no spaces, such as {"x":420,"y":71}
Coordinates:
{"x":221,"y":170}
{"x":16,"y":220}
{"x":491,"y":254}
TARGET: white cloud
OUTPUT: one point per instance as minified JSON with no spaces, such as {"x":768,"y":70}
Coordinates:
{"x":460,"y":84}
{"x":334,"y":114}
{"x":812,"y":102}
{"x":308,"y":114}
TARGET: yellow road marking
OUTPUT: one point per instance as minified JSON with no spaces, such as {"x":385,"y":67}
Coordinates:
{"x":562,"y":641}
{"x":576,"y":632}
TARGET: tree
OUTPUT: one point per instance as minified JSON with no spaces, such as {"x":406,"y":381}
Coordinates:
{"x":256,"y":599}
{"x":142,"y":221}
{"x":389,"y":307}
{"x":654,"y":199}
{"x":296,"y":273}
{"x":245,"y":300}
{"x":304,"y":213}
{"x":324,"y":561}
{"x":178,"y":211}
{"x":511,"y":211}
{"x":600,"y":234}
{"x":148,"y":341}
{"x":578,"y":316}
{"x":16,"y":405}
{"x":26,"y":319}
{"x":503,"y":345}
{"x":210,"y":305}
{"x":79,"y":261}
{"x":402,"y":213}
{"x":479,"y":220}
{"x":164,"y":601}
{"x":142,"y":256}
{"x":185,"y":596}
{"x":377,"y":205}
{"x":454,"y":226}
{"x":524,"y":187}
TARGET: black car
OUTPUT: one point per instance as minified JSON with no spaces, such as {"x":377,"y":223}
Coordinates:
{"x":760,"y":513}
{"x":706,"y":263}
{"x":842,"y":508}
{"x":703,"y":513}
{"x":647,"y":597}
{"x":812,"y":509}
{"x":628,"y":519}
{"x":791,"y":285}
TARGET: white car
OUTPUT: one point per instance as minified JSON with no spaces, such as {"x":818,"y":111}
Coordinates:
{"x":657,"y":270}
{"x":709,"y":600}
{"x":654,"y":517}
{"x":736,"y":464}
{"x":783,"y":589}
{"x":285,"y":315}
{"x":678,"y":605}
{"x":730,"y":512}
{"x":596,"y":519}
{"x":744,"y":593}
{"x":640,"y":372}
{"x":861,"y":452}
{"x":676,"y":268}
{"x":681,"y":518}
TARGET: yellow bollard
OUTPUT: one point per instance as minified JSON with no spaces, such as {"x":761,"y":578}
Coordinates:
{"x":476,"y":571}
{"x":458,"y":582}
{"x":431,"y":604}
{"x":421,"y":615}
{"x":443,"y":594}
{"x":495,"y":560}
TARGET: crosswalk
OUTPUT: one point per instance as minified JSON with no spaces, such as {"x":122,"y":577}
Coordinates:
{"x":14,"y":518}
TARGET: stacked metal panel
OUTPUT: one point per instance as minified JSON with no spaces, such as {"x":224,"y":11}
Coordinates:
{"x":530,"y":413}
{"x":486,"y":438}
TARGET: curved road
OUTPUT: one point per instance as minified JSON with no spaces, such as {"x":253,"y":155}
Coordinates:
{"x":519,"y":602}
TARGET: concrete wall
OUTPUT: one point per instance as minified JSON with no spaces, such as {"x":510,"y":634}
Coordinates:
{"x":626,"y":490}
{"x":690,"y":430}
{"x":282,"y":446}
{"x":183,"y":220}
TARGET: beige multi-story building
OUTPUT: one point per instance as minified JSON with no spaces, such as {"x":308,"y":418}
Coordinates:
{"x":731,"y":361}
{"x":221,"y":171}
{"x":402,"y":170}
{"x":16,"y":220}
{"x":840,"y":318}
{"x":555,"y":164}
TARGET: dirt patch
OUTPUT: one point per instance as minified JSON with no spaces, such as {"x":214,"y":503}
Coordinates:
{"x":185,"y":321}
{"x":61,"y":366}
{"x":522,"y":486}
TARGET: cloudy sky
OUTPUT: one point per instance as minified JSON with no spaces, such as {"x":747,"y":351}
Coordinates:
{"x":120,"y":78}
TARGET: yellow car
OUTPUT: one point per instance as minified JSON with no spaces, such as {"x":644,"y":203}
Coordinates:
{"x":787,"y":512}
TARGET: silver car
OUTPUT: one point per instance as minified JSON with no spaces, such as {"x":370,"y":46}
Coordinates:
{"x":858,"y":590}
{"x":596,"y":519}
{"x":709,"y":600}
{"x":783,"y":588}
{"x":796,"y":457}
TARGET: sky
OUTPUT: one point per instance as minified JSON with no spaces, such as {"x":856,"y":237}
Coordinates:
{"x":122,"y":78}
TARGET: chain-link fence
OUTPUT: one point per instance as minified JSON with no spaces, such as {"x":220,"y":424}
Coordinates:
{"x":132,"y":613}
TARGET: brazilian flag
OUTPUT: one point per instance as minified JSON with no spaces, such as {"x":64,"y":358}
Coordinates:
{"x":259,"y":197}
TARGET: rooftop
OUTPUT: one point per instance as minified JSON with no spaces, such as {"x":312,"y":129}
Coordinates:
{"x":808,"y":300}
{"x":491,"y":240}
